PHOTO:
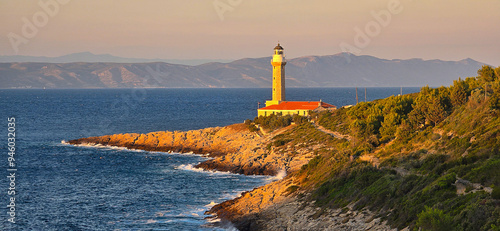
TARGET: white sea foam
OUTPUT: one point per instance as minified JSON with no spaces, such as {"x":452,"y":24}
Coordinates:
{"x":151,"y":221}
{"x":190,"y":154}
{"x":280,"y":175}
{"x":109,"y":147}
{"x":230,"y":196}
{"x":190,"y":167}
{"x":213,"y":220}
{"x":212,"y":204}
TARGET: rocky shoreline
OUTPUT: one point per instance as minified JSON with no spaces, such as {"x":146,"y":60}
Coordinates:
{"x":235,"y":149}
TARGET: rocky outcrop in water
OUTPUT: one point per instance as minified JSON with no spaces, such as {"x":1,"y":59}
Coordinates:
{"x":234,"y":147}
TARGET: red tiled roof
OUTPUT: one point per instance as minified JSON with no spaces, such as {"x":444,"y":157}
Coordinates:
{"x":298,"y":105}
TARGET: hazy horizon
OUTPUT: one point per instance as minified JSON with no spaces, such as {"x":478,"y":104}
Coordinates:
{"x":231,"y":30}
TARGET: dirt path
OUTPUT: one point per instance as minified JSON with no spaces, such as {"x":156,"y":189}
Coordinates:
{"x":332,"y":133}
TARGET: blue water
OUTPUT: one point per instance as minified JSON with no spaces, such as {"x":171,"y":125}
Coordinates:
{"x":63,"y":187}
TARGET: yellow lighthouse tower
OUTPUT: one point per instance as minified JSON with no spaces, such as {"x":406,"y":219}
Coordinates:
{"x":278,"y":105}
{"x":278,"y":63}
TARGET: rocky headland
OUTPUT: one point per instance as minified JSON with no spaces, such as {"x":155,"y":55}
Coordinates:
{"x":236,"y":149}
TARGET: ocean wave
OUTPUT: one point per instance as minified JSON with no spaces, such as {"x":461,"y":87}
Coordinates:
{"x":232,"y":195}
{"x":212,"y":204}
{"x":217,"y":222}
{"x":110,"y":147}
{"x":188,"y":154}
{"x":213,"y":220}
{"x":280,"y":175}
{"x":190,"y":167}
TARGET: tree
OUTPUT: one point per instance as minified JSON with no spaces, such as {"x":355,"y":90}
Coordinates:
{"x":389,"y":126}
{"x":497,"y":73}
{"x":494,"y":100}
{"x":431,"y":104}
{"x":404,"y":131}
{"x":486,"y":74}
{"x":359,"y":128}
{"x":416,"y":117}
{"x":459,"y":92}
{"x":435,"y":112}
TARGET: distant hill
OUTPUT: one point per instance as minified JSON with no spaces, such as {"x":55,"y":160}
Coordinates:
{"x":308,"y":71}
{"x":103,"y":58}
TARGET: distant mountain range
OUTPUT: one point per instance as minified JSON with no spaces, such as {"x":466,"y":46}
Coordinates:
{"x":101,"y":58}
{"x":308,"y":71}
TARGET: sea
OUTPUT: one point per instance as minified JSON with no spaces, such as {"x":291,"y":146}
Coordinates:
{"x":47,"y":184}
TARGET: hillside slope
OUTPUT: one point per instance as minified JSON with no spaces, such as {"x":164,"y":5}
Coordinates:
{"x":429,"y":160}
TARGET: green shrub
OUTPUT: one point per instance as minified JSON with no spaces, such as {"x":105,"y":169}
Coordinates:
{"x":495,"y":194}
{"x":292,"y":189}
{"x":433,"y":161}
{"x":487,"y":173}
{"x":280,"y":142}
{"x":312,"y":163}
{"x":273,"y":121}
{"x":434,"y":220}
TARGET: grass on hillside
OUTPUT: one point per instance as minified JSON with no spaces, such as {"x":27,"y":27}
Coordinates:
{"x":424,"y":142}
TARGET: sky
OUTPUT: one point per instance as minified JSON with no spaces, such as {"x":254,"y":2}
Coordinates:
{"x":234,"y":29}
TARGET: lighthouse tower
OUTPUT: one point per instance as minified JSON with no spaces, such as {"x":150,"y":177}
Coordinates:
{"x":278,"y":105}
{"x":278,"y":63}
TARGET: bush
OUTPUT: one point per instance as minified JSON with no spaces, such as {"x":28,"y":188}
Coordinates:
{"x":297,"y":119}
{"x":273,"y":121}
{"x":485,"y":172}
{"x":280,"y":142}
{"x":251,"y":127}
{"x":434,"y":220}
{"x":292,"y":189}
{"x":496,"y":193}
{"x":312,"y":163}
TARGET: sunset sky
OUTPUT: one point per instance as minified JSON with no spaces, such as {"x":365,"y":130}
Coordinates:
{"x":233,"y":29}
